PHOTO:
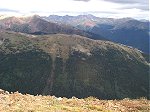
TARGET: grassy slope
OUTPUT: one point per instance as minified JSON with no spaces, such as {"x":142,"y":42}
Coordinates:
{"x":81,"y":67}
{"x":17,"y":102}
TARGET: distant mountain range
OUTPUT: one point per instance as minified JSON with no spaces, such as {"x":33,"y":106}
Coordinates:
{"x":126,"y":31}
{"x":71,"y":65}
{"x":38,"y":26}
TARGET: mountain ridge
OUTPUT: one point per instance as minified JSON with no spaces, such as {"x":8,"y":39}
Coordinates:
{"x":127,"y":31}
{"x":39,"y":26}
{"x":71,"y":65}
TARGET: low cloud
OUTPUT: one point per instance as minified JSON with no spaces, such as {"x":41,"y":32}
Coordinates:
{"x":8,"y":10}
{"x":82,"y":0}
{"x":104,"y":12}
{"x":128,"y":1}
{"x":141,"y":7}
{"x":130,"y":4}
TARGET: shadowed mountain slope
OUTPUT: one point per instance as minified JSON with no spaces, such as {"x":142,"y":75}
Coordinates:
{"x":71,"y":65}
{"x":39,"y":26}
{"x":127,"y":31}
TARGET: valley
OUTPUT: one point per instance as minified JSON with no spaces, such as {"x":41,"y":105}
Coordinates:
{"x":74,"y":56}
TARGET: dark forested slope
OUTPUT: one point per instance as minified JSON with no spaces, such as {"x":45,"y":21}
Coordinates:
{"x":71,"y":65}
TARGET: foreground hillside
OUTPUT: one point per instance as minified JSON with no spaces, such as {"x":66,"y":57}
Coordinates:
{"x":17,"y":102}
{"x":71,"y":65}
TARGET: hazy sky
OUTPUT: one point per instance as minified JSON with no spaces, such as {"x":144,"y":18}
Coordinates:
{"x":102,"y":8}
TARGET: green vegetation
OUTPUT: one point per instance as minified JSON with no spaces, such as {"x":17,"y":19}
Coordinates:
{"x":26,"y":72}
{"x":71,"y":65}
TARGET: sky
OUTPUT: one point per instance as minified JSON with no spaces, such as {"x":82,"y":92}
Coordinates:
{"x":138,"y":9}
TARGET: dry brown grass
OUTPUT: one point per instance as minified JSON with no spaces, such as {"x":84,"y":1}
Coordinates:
{"x":17,"y":102}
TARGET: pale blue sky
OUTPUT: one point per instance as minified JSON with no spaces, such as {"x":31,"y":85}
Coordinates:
{"x":102,"y":8}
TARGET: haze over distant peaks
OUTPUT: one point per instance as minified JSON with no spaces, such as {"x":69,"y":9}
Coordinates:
{"x":127,"y":31}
